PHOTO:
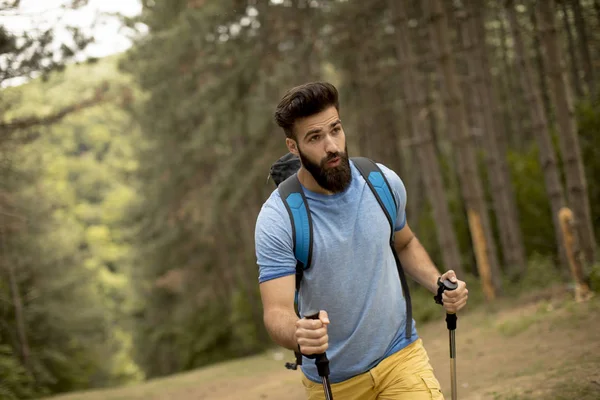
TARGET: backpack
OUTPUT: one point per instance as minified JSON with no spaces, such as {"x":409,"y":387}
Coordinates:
{"x":284,"y":174}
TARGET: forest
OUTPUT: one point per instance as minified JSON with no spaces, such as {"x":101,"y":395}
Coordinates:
{"x":130,"y":184}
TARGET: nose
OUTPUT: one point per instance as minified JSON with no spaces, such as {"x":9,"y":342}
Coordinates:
{"x":330,"y":145}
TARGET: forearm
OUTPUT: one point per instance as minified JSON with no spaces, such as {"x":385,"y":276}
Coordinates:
{"x":281,"y":325}
{"x":417,"y":263}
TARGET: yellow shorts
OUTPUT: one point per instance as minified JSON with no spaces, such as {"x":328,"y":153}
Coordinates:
{"x":404,"y":375}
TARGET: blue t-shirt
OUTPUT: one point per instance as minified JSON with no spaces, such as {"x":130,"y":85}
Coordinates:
{"x":353,"y":275}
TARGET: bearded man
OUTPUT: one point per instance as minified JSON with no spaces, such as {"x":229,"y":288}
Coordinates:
{"x":353,"y":279}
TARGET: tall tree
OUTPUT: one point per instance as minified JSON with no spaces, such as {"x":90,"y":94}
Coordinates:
{"x":424,"y":141}
{"x":577,"y":190}
{"x":512,"y":93}
{"x":577,"y":84}
{"x":539,"y":63}
{"x":470,"y":180}
{"x":502,"y":192}
{"x":584,"y":46}
{"x":547,"y":155}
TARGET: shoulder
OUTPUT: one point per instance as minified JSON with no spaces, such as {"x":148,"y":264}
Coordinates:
{"x":392,"y":178}
{"x":395,"y":182}
{"x":272,"y":207}
{"x":391,"y":175}
{"x":273,"y":217}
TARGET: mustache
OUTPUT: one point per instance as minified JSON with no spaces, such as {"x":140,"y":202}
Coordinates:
{"x":332,"y":156}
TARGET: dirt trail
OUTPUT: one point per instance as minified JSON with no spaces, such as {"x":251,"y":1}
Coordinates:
{"x":545,"y":350}
{"x":547,"y":347}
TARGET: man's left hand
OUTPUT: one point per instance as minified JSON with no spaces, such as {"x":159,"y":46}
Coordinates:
{"x":456,"y":299}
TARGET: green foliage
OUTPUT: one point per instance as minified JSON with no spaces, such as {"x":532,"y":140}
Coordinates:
{"x":588,"y":122}
{"x":532,"y":201}
{"x":15,"y":382}
{"x":594,"y":277}
{"x":70,"y":251}
{"x":541,"y":273}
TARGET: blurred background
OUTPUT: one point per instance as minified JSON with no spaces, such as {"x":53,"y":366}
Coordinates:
{"x":136,"y":139}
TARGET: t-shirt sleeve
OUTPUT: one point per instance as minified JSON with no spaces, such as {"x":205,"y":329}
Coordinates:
{"x":399,"y":192}
{"x":273,"y":242}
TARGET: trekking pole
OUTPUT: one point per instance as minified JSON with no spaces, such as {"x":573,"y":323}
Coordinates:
{"x":322,"y":363}
{"x":451,"y":325}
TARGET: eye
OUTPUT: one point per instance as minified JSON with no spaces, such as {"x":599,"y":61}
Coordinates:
{"x":337,"y":129}
{"x":313,"y":138}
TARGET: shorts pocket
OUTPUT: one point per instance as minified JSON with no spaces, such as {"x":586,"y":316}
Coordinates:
{"x":308,"y":384}
{"x":433,"y":386}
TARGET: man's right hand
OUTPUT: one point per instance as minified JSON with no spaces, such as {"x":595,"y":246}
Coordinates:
{"x":311,"y":334}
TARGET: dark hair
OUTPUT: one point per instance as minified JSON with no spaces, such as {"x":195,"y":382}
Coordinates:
{"x":303,"y":101}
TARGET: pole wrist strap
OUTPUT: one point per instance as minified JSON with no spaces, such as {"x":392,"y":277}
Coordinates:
{"x":441,"y":288}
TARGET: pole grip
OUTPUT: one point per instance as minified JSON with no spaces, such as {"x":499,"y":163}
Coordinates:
{"x":312,"y":315}
{"x":321,"y":359}
{"x":446,"y":284}
{"x":449,"y":285}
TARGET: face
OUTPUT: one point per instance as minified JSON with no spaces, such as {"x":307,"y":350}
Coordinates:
{"x":321,"y":145}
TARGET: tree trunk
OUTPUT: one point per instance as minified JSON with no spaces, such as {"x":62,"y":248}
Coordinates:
{"x":425,"y":145}
{"x":577,"y":191}
{"x":470,"y":181}
{"x":495,"y":149}
{"x":540,"y":126}
{"x":394,"y":132}
{"x":571,"y":48}
{"x":584,"y":48}
{"x":357,"y":74}
{"x":17,"y":301}
{"x":511,"y":95}
{"x":305,"y":40}
{"x":539,"y":62}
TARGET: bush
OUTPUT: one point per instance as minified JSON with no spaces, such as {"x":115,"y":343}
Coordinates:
{"x":594,"y":277}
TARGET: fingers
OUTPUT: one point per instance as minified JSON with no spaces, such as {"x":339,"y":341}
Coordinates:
{"x":311,"y":334}
{"x":455,"y":300}
{"x":308,"y":350}
{"x":453,"y":308}
{"x":314,"y":345}
{"x":451,"y":275}
{"x":459,"y":292}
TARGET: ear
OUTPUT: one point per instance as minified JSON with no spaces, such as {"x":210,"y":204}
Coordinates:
{"x":292,"y":146}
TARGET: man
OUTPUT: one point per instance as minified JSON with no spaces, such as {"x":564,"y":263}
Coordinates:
{"x":353,"y":277}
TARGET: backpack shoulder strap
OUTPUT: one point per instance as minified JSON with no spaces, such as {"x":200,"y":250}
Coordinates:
{"x":383,"y":193}
{"x":296,"y":204}
{"x":379,"y":186}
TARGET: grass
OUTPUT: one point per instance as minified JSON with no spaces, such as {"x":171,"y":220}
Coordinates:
{"x":218,"y":374}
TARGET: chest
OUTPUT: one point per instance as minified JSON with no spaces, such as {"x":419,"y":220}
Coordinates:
{"x":349,"y":231}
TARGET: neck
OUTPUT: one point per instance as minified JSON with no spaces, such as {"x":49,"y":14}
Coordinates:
{"x":309,"y":182}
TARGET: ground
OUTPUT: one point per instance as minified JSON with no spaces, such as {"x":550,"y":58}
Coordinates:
{"x":543,"y":346}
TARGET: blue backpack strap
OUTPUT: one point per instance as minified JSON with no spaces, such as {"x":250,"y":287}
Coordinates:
{"x":383,"y":193}
{"x":296,"y":204}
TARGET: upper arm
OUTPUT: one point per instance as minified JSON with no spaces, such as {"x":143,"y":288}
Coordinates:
{"x":403,"y":237}
{"x":278,"y":294}
{"x":275,"y":256}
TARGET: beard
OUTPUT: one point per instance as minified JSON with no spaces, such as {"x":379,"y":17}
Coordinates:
{"x":333,"y":179}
